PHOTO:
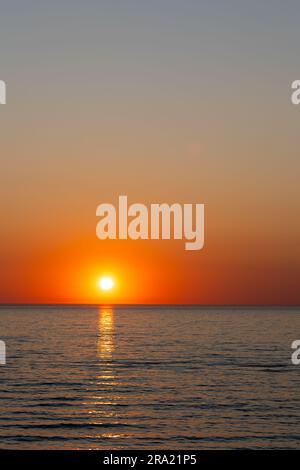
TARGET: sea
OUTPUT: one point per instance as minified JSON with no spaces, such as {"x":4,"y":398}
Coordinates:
{"x":149,"y":377}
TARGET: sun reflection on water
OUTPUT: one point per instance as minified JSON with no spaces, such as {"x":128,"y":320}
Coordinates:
{"x":105,"y":334}
{"x":105,"y":347}
{"x":104,"y":397}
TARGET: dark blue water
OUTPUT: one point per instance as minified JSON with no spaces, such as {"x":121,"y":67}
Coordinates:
{"x":89,"y":378}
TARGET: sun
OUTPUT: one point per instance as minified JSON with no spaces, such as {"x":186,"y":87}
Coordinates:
{"x":106,"y":283}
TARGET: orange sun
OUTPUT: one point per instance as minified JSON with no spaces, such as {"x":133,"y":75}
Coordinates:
{"x":106,"y":283}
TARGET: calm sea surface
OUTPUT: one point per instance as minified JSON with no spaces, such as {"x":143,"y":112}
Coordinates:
{"x":179,"y":378}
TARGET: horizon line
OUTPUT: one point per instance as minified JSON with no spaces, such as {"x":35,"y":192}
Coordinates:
{"x":124,"y":305}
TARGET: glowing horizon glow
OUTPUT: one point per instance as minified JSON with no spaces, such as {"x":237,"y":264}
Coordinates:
{"x":106,"y":283}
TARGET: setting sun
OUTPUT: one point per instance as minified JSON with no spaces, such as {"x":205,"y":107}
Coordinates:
{"x":106,"y":283}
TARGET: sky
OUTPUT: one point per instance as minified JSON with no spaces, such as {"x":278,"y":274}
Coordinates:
{"x":163,"y":101}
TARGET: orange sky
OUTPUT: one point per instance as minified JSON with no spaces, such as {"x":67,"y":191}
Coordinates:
{"x":233,"y":270}
{"x":105,"y":103}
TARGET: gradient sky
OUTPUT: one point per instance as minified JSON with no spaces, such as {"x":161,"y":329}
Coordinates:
{"x":165,"y":101}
